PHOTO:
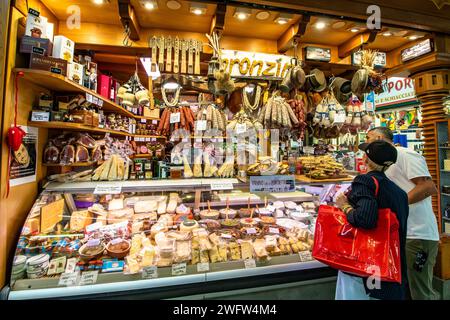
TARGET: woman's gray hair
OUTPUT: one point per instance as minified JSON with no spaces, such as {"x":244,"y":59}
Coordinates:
{"x":376,"y":167}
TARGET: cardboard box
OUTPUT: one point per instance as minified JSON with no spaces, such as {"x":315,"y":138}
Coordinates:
{"x":36,"y":27}
{"x":82,"y":116}
{"x":27,"y":43}
{"x":75,"y":72}
{"x":442,"y":267}
{"x":54,"y":65}
{"x":63,"y":48}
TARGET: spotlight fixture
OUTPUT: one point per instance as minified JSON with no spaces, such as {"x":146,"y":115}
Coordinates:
{"x":387,"y":34}
{"x":320,"y":25}
{"x":413,"y":37}
{"x":150,"y":4}
{"x":99,"y":2}
{"x":242,"y":13}
{"x":263,"y":15}
{"x":283,"y":18}
{"x":354,"y":30}
{"x":173,"y":4}
{"x":197,"y":8}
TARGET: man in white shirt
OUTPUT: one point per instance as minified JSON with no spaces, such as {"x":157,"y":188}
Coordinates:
{"x":411,"y":174}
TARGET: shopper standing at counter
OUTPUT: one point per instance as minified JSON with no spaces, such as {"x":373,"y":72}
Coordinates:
{"x":410,"y":173}
{"x":361,"y":207}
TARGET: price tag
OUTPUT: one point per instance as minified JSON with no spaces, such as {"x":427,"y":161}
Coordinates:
{"x":56,"y":70}
{"x":71,"y":265}
{"x":143,"y":120}
{"x":202,"y":267}
{"x":92,"y":227}
{"x":89,"y":97}
{"x":226,"y":236}
{"x":38,"y":50}
{"x":222,"y":186}
{"x":241,"y":128}
{"x":116,"y":241}
{"x":93,"y":243}
{"x":88,"y":278}
{"x":68,"y":279}
{"x":179,"y":269}
{"x":100,"y":103}
{"x":200,"y":125}
{"x":305,"y":256}
{"x":272,"y":184}
{"x":250,"y":263}
{"x":95,"y":100}
{"x":274,"y":230}
{"x":308,"y":150}
{"x":107,"y":189}
{"x":154,"y":121}
{"x":251,"y":231}
{"x":339,"y":118}
{"x":33,"y":12}
{"x":175,"y":117}
{"x":150,"y":272}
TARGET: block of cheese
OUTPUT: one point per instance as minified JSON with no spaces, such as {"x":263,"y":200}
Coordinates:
{"x":115,"y":204}
{"x":162,"y":207}
{"x":80,"y":219}
{"x":31,"y":226}
{"x":117,"y":216}
{"x":146,"y":206}
{"x":246,"y":250}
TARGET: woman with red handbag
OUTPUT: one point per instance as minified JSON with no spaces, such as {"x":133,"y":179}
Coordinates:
{"x":370,"y":193}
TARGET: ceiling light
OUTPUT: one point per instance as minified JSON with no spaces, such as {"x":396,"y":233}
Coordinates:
{"x":242,"y":13}
{"x":198,"y":8}
{"x":150,"y":4}
{"x":173,"y":5}
{"x":354,"y":30}
{"x":387,"y":34}
{"x":283,"y":18}
{"x":320,"y":25}
{"x":98,"y":2}
{"x":263,"y":15}
{"x":413,"y":38}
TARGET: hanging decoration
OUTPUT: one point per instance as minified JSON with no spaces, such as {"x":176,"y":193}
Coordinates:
{"x":176,"y":97}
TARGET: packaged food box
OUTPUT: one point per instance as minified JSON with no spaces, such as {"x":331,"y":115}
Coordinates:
{"x":75,"y":72}
{"x":63,"y":48}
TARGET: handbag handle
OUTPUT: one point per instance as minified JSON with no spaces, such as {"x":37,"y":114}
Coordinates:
{"x":377,"y":185}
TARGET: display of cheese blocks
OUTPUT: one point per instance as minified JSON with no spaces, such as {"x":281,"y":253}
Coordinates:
{"x":80,"y":219}
{"x":121,"y":215}
{"x":63,"y":48}
{"x":145,"y":206}
{"x":75,"y":72}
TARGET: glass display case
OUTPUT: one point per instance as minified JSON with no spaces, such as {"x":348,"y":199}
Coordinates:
{"x":166,"y":239}
{"x":444,"y":174}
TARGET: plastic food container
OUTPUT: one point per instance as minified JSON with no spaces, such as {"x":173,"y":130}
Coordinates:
{"x":231,"y":213}
{"x":209,"y":214}
{"x":19,"y":262}
{"x":38,"y":262}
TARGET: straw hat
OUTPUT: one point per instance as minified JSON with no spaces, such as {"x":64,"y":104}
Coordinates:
{"x":317,"y":80}
{"x":342,"y":89}
{"x":359,"y":81}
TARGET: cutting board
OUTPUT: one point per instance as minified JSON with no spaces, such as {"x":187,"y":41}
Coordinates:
{"x":51,"y":214}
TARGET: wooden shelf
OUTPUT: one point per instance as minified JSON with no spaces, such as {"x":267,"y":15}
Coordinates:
{"x":78,"y":164}
{"x":81,"y":127}
{"x":57,"y":82}
{"x":146,"y":118}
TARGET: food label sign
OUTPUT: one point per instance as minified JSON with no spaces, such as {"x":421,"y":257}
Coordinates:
{"x":251,"y":64}
{"x":272,"y":184}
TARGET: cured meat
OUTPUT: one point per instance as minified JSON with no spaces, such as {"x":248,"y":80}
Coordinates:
{"x":51,"y":154}
{"x":86,"y":141}
{"x":97,"y":154}
{"x":67,"y":155}
{"x":82,"y":154}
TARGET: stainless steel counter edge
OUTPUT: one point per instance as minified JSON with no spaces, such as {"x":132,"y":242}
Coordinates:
{"x":161,"y":282}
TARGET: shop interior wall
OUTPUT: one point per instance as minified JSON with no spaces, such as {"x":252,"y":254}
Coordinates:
{"x":21,"y":198}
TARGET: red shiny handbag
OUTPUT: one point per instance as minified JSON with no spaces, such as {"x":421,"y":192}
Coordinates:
{"x":362,"y":252}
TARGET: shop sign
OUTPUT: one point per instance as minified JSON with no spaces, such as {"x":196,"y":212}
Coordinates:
{"x":396,"y":90}
{"x":272,"y":184}
{"x":251,"y":64}
{"x":417,"y":50}
{"x":380,"y":59}
{"x":318,"y":54}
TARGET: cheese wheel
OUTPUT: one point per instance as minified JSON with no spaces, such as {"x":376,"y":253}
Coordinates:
{"x":189,"y":225}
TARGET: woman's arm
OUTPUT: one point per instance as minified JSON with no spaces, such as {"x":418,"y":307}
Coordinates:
{"x":365,"y":206}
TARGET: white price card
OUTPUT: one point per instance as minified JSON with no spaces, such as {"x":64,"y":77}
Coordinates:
{"x":274,"y":230}
{"x":143,"y":120}
{"x":154,"y":121}
{"x":89,"y":97}
{"x":100,"y":103}
{"x":94,"y":226}
{"x":226,"y":236}
{"x":150,"y":272}
{"x":305,"y":256}
{"x":175,"y":117}
{"x":202,"y":267}
{"x":93,"y":243}
{"x":108,"y":189}
{"x":251,"y":231}
{"x":241,"y":128}
{"x":95,"y":100}
{"x":71,"y":265}
{"x":88,"y":278}
{"x":200,"y":125}
{"x":179,"y":269}
{"x":250,"y":263}
{"x":68,"y":279}
{"x":308,"y":150}
{"x":222,"y":185}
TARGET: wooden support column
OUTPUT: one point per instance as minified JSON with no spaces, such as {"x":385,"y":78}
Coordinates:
{"x":218,"y":21}
{"x":431,"y":87}
{"x":293,"y":34}
{"x":128,"y":18}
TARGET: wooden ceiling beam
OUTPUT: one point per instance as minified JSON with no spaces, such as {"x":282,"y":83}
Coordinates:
{"x":129,"y":19}
{"x":355,"y":43}
{"x":218,"y":21}
{"x":293,"y":35}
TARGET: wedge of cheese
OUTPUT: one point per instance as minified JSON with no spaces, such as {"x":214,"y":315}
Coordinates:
{"x":80,"y":219}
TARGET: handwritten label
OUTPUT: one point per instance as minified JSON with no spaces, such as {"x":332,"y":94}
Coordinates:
{"x":107,"y":189}
{"x":71,"y":265}
{"x":272,"y":184}
{"x":200,"y":125}
{"x":179,"y":269}
{"x":88,"y":278}
{"x":175,"y":117}
{"x":250,"y":263}
{"x":202,"y":267}
{"x":150,"y":272}
{"x":226,"y":236}
{"x":222,"y":186}
{"x":241,"y":128}
{"x":305,"y":256}
{"x":274,"y":230}
{"x":68,"y":279}
{"x":93,"y":243}
{"x":251,"y":231}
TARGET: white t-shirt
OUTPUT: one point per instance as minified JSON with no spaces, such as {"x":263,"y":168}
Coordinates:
{"x":421,"y":221}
